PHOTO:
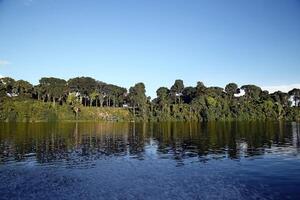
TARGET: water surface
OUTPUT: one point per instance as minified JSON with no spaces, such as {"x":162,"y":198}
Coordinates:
{"x":236,"y":160}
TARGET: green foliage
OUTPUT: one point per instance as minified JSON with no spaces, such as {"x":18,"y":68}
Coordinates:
{"x":138,"y":100}
{"x":72,"y":98}
{"x":33,"y":111}
{"x":231,"y":89}
{"x":8,"y":84}
{"x":24,"y":88}
{"x":84,"y":98}
{"x":163,"y":100}
{"x":188,"y":94}
{"x":27,"y":110}
{"x":83,"y":85}
{"x":252,"y":91}
{"x":53,"y":88}
{"x":211,"y":102}
{"x":176,"y":91}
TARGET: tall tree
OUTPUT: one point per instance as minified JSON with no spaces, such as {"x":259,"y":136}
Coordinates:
{"x":2,"y":90}
{"x":231,"y":89}
{"x":94,"y":97}
{"x":295,"y":94}
{"x":176,"y":90}
{"x":24,"y":87}
{"x":200,"y":89}
{"x":83,"y":85}
{"x":9,"y":85}
{"x":281,"y":97}
{"x":188,"y":94}
{"x":163,"y":98}
{"x":252,"y":91}
{"x":55,"y":88}
{"x":138,"y":99}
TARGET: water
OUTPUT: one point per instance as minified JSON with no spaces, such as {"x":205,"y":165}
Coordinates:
{"x":237,"y":160}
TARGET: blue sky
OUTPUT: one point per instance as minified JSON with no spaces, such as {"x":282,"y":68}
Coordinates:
{"x":155,"y":41}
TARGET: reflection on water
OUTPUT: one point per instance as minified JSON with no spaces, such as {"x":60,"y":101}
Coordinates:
{"x":236,"y":160}
{"x":79,"y":144}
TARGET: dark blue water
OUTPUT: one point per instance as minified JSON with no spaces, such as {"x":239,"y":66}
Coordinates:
{"x":237,"y":160}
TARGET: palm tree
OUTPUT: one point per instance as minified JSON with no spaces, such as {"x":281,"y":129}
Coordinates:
{"x":94,"y":97}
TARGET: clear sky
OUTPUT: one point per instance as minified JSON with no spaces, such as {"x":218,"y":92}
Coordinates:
{"x":154,"y":41}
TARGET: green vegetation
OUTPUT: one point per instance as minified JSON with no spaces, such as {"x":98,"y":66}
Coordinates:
{"x":84,"y":98}
{"x":32,"y":111}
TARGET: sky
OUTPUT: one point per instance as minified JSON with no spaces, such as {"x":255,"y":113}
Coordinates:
{"x":155,"y":41}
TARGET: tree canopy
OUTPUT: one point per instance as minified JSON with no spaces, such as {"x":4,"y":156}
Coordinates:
{"x":178,"y":102}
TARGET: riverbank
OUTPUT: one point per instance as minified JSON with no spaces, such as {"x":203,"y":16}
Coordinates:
{"x":29,"y":110}
{"x":36,"y":111}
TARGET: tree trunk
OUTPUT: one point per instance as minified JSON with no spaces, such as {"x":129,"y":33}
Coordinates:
{"x":76,"y":112}
{"x":133,"y":111}
{"x":61,"y":101}
{"x":53,"y":102}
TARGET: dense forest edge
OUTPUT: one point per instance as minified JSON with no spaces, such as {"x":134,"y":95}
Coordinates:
{"x":84,"y":98}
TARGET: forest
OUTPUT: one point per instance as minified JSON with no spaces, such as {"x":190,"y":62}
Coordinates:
{"x":80,"y":95}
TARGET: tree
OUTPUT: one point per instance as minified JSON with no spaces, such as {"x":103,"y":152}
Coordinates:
{"x":120,"y":94}
{"x":101,"y":99}
{"x":39,"y":92}
{"x":176,"y":90}
{"x":199,"y":106}
{"x":83,"y":85}
{"x":163,"y":95}
{"x":72,"y":98}
{"x":137,"y":98}
{"x":24,"y":87}
{"x":264,"y":95}
{"x":114,"y":94}
{"x":55,"y":88}
{"x":215,"y":92}
{"x":231,"y":89}
{"x":188,"y":94}
{"x":281,"y":97}
{"x":252,"y":91}
{"x":295,"y":94}
{"x":101,"y":92}
{"x":94,"y":97}
{"x":8,"y":83}
{"x":177,"y":103}
{"x":75,"y":104}
{"x":200,"y":89}
{"x":2,"y":90}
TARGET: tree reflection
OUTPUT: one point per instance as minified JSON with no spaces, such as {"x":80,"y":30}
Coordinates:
{"x":75,"y":143}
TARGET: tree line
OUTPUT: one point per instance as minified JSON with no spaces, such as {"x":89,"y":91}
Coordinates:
{"x":178,"y":102}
